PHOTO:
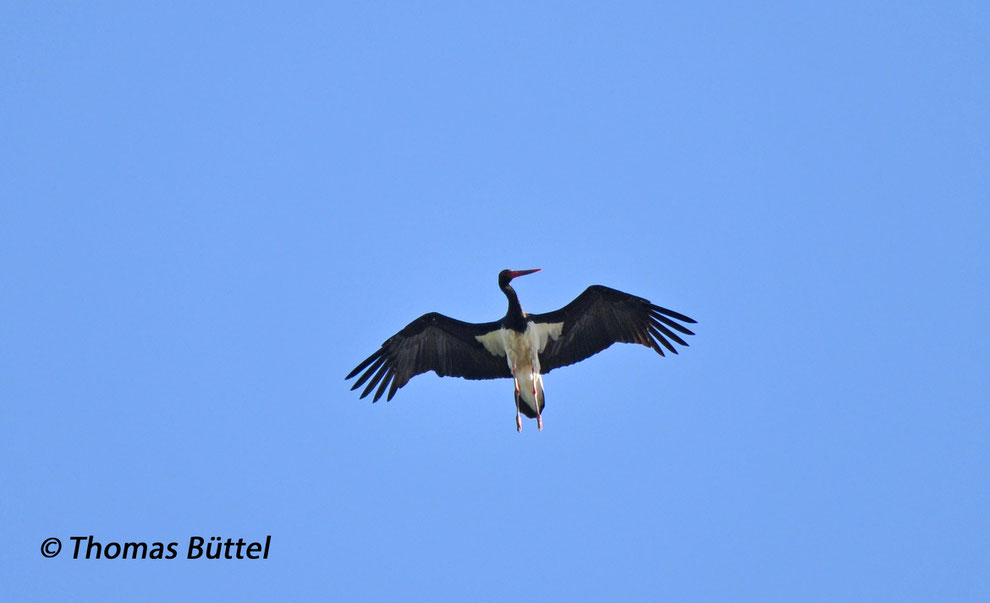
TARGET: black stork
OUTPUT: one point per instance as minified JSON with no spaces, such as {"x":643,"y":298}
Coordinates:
{"x":521,"y":346}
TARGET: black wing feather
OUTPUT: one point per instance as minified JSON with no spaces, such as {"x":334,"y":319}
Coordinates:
{"x":432,"y":342}
{"x":602,"y":316}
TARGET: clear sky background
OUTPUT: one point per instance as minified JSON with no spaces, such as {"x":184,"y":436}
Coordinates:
{"x":210,"y":214}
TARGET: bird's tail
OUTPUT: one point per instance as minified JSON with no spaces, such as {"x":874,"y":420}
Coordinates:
{"x":528,"y":402}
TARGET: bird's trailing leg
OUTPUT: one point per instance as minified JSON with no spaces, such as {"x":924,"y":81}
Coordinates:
{"x":539,"y":415}
{"x":518,"y":416}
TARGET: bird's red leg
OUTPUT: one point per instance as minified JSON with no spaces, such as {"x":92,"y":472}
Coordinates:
{"x":539,"y":415}
{"x":518,"y":417}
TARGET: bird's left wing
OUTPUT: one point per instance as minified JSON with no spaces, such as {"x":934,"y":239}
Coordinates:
{"x":432,"y":342}
{"x":600,"y":317}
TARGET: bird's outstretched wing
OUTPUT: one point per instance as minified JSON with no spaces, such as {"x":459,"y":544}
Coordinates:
{"x":602,"y":316}
{"x":432,"y":342}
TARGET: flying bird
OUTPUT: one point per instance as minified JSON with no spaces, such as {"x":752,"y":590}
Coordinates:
{"x":520,"y":346}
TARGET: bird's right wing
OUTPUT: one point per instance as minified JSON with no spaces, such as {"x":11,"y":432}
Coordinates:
{"x":432,"y":342}
{"x":602,"y":316}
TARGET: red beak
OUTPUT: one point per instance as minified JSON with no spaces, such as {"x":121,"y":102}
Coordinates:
{"x":515,"y":273}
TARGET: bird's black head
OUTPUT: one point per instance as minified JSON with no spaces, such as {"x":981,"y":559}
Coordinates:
{"x":507,"y":275}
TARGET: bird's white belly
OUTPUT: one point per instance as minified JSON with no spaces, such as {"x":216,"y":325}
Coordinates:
{"x":519,"y":350}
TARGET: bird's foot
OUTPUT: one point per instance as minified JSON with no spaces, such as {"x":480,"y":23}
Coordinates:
{"x":518,"y":422}
{"x":539,"y":422}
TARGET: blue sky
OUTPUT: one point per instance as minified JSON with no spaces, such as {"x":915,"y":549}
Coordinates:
{"x":212,"y":213}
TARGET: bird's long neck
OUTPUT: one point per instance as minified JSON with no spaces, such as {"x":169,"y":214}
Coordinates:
{"x":514,"y":318}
